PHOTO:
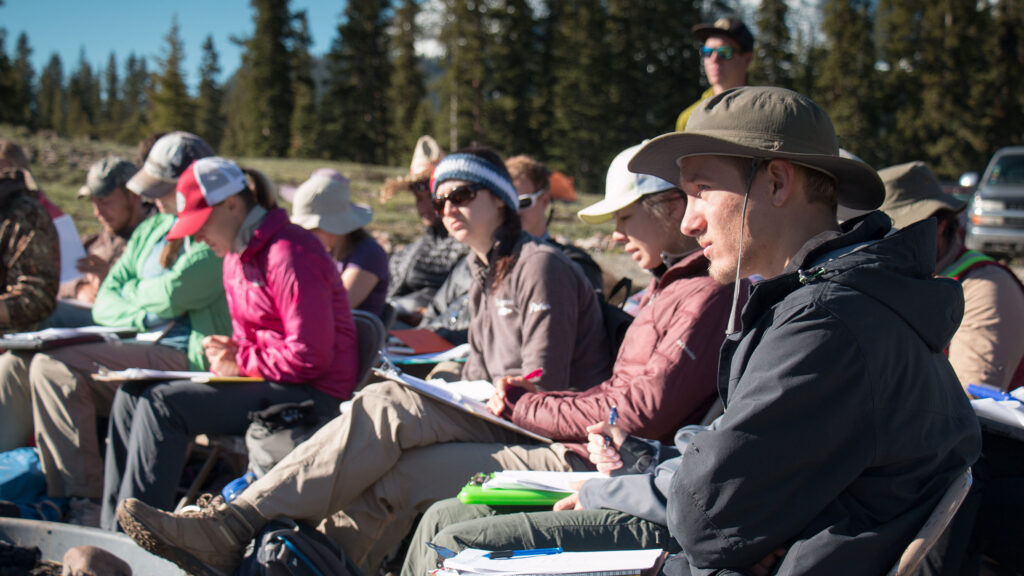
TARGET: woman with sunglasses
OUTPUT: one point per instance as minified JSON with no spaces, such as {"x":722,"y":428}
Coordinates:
{"x":365,"y":474}
{"x":530,"y":307}
{"x":291,"y":327}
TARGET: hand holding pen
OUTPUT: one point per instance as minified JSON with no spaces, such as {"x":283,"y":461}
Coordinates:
{"x":603,"y":442}
{"x":497,"y":402}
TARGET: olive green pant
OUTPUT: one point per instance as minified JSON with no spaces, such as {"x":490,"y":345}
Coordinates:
{"x":456,"y":526}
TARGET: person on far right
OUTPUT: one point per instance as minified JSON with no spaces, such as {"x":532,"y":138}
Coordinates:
{"x":989,"y":345}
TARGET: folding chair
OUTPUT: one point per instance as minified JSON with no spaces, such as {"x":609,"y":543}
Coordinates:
{"x":934,"y":526}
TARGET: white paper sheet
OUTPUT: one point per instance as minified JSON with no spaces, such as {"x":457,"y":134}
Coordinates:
{"x":71,"y":249}
{"x":458,"y":353}
{"x":62,"y":333}
{"x":539,"y":480}
{"x":452,"y":396}
{"x":606,"y":563}
{"x":1005,"y":411}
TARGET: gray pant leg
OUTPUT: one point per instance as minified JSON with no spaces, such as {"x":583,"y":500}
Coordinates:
{"x":420,"y":559}
{"x":67,"y":316}
{"x":167,"y":416}
{"x":575,"y":531}
{"x":122,"y":412}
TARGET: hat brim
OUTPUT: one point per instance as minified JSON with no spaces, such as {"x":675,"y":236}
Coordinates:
{"x":145,"y":184}
{"x":917,"y":210}
{"x":857,"y":184}
{"x":604,"y":210}
{"x":189,"y":223}
{"x":84,"y":192}
{"x":358,"y":216}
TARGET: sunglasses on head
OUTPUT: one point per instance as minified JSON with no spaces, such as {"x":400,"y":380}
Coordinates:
{"x":458,"y":196}
{"x":724,"y":52}
{"x":526,"y":201}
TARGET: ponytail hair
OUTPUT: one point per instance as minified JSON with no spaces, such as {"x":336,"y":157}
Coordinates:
{"x":259,"y":190}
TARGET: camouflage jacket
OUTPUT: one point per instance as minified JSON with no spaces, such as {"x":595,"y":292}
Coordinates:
{"x":29,"y":256}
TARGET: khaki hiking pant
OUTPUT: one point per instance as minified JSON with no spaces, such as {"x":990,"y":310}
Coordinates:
{"x":392,"y":455}
{"x":15,"y":401}
{"x":66,"y":402}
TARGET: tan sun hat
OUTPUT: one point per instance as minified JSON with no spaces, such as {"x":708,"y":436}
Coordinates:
{"x":913,"y":193}
{"x":324,"y":202}
{"x":425,"y":157}
{"x":763,"y":122}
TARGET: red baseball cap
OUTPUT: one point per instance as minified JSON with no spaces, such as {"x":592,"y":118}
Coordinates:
{"x":204,"y":184}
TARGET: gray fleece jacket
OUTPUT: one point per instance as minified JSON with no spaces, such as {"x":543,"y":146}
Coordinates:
{"x":544,"y":314}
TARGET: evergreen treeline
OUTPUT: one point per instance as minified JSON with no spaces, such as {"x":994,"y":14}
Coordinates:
{"x":571,"y":81}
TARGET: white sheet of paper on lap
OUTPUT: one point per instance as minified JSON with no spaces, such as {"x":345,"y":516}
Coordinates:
{"x":539,"y":480}
{"x":604,"y":563}
{"x":1005,"y":411}
{"x":71,"y":249}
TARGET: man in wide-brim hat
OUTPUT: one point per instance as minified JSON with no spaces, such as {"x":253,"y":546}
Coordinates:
{"x":844,"y":424}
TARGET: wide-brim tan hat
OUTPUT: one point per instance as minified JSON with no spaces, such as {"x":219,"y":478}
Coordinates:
{"x":425,"y":157}
{"x":323,"y":202}
{"x":913,"y":193}
{"x":763,"y":122}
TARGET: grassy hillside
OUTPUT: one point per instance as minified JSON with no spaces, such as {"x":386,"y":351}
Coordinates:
{"x":60,"y":165}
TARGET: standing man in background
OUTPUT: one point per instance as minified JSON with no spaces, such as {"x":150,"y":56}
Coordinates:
{"x":727,"y":52}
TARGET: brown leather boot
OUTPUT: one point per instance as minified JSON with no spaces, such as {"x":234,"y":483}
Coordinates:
{"x":209,"y":542}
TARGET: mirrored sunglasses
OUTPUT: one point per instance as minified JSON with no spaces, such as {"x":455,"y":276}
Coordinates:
{"x":724,"y":52}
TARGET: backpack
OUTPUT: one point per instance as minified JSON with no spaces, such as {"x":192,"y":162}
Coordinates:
{"x":285,"y":547}
{"x":276,"y":430}
{"x":616,"y":320}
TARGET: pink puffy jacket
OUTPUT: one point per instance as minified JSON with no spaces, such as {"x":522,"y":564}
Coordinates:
{"x":290,"y":311}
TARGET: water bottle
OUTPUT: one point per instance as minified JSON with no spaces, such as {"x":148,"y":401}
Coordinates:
{"x":236,"y":486}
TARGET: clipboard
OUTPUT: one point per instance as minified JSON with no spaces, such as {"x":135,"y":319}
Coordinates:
{"x":143,"y":374}
{"x":57,"y":337}
{"x":452,"y":398}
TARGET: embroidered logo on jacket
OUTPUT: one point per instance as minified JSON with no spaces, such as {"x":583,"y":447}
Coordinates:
{"x":539,"y":307}
{"x":505,"y":306}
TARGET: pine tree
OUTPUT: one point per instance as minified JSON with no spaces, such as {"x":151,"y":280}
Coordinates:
{"x":355,"y":105}
{"x":173,"y":109}
{"x":846,"y":85}
{"x":465,"y":75}
{"x":578,"y":142}
{"x":955,"y":103}
{"x":83,"y":99}
{"x":898,"y":37}
{"x":407,"y":92}
{"x":512,"y":49}
{"x":7,"y":97}
{"x":112,"y":91}
{"x":305,"y":125}
{"x":23,"y":111}
{"x":51,"y":98}
{"x":773,"y":56}
{"x":1003,"y":81}
{"x":210,"y":101}
{"x":135,"y":105}
{"x":267,"y":90}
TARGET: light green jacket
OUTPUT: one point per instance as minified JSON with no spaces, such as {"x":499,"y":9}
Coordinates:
{"x":194,"y":285}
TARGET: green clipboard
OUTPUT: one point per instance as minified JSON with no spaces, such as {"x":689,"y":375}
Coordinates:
{"x":473,"y":493}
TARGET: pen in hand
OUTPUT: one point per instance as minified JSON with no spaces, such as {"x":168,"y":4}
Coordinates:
{"x":613,"y":417}
{"x":534,"y":375}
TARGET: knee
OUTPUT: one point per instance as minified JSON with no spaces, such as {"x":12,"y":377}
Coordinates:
{"x":45,"y":375}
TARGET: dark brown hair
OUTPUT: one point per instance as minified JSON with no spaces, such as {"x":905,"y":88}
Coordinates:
{"x":258,"y":190}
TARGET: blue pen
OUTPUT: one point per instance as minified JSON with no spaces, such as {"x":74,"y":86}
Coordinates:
{"x":980,"y":391}
{"x":613,"y":417}
{"x":503,"y":554}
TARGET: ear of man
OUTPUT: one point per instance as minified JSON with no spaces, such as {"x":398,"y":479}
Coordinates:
{"x":781,"y":176}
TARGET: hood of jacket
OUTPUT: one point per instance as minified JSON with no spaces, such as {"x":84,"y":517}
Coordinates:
{"x":893,"y":267}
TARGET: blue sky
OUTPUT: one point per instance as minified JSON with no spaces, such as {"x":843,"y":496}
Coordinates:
{"x":105,"y":26}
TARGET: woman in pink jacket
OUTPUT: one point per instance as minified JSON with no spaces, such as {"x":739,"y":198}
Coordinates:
{"x":292,"y":327}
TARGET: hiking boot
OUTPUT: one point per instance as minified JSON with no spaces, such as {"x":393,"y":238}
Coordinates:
{"x":207,"y":542}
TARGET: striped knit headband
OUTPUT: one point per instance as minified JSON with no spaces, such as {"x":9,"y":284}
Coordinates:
{"x":475,"y":169}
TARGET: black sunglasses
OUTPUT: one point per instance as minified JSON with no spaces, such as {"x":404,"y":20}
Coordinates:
{"x":458,"y":196}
